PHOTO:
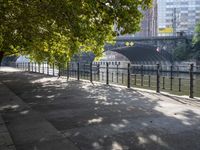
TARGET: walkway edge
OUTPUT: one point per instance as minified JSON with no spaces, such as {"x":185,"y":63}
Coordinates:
{"x":28,"y":128}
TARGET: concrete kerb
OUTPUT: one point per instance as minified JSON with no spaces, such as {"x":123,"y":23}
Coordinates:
{"x":28,"y":129}
{"x":6,"y":142}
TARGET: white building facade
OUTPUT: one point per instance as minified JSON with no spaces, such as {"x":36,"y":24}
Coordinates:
{"x":177,"y":16}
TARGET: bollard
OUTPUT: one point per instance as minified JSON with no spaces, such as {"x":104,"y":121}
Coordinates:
{"x":107,"y":74}
{"x":158,"y":79}
{"x":128,"y":76}
{"x":191,"y":81}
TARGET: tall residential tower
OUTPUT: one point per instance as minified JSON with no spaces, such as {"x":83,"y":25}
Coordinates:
{"x":177,"y":16}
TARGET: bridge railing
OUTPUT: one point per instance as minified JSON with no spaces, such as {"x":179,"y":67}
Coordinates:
{"x":178,"y":80}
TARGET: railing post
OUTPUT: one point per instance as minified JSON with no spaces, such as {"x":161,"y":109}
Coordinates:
{"x":43,"y":67}
{"x":35,"y":67}
{"x":149,"y":81}
{"x":67,"y":71}
{"x":91,"y":72}
{"x":59,"y":71}
{"x":25,"y":66}
{"x":135,"y":79}
{"x":53,"y":69}
{"x":117,"y":73}
{"x":31,"y":67}
{"x":171,"y":77}
{"x":122,"y":78}
{"x":128,"y":77}
{"x":47,"y":68}
{"x":98,"y":72}
{"x":191,"y":81}
{"x":107,"y":74}
{"x":163,"y":83}
{"x":39,"y":65}
{"x":142,"y":75}
{"x":78,"y":69}
{"x":179,"y":84}
{"x":28,"y":66}
{"x":158,"y":79}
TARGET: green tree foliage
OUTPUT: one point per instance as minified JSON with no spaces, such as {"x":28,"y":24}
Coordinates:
{"x":196,"y":43}
{"x":54,"y":30}
{"x":182,"y":51}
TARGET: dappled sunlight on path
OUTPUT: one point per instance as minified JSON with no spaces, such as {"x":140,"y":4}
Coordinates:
{"x":96,"y":116}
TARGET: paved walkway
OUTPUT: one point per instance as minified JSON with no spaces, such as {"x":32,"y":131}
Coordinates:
{"x":6,"y":142}
{"x":28,"y":129}
{"x":52,"y":112}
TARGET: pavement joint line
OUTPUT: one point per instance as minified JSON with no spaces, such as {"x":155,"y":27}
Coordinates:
{"x":51,"y":130}
{"x":165,"y":123}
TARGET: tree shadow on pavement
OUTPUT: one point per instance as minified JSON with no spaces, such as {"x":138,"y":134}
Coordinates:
{"x":96,"y":116}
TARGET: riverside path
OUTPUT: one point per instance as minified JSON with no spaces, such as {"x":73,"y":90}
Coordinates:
{"x":43,"y":112}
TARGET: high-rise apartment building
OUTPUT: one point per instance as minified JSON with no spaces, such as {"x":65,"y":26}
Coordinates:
{"x":176,"y":16}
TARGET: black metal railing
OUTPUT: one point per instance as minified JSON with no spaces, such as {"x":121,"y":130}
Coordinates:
{"x":179,"y":80}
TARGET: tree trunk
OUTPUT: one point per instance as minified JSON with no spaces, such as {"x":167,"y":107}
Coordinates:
{"x":1,"y":56}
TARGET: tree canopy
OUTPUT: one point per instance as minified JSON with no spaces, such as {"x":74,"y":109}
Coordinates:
{"x":54,"y":30}
{"x":196,"y":43}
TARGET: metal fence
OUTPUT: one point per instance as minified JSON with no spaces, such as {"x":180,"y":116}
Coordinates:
{"x":178,"y":80}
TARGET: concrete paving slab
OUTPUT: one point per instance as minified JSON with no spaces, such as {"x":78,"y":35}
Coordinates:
{"x":2,"y":128}
{"x":100,"y":117}
{"x":5,"y":147}
{"x":6,"y":142}
{"x":5,"y":139}
{"x":29,"y":130}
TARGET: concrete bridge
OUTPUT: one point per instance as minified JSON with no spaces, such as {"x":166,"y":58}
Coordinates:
{"x":168,"y":43}
{"x":154,"y":38}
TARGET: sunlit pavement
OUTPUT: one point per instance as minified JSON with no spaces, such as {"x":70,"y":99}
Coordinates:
{"x":96,"y":116}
